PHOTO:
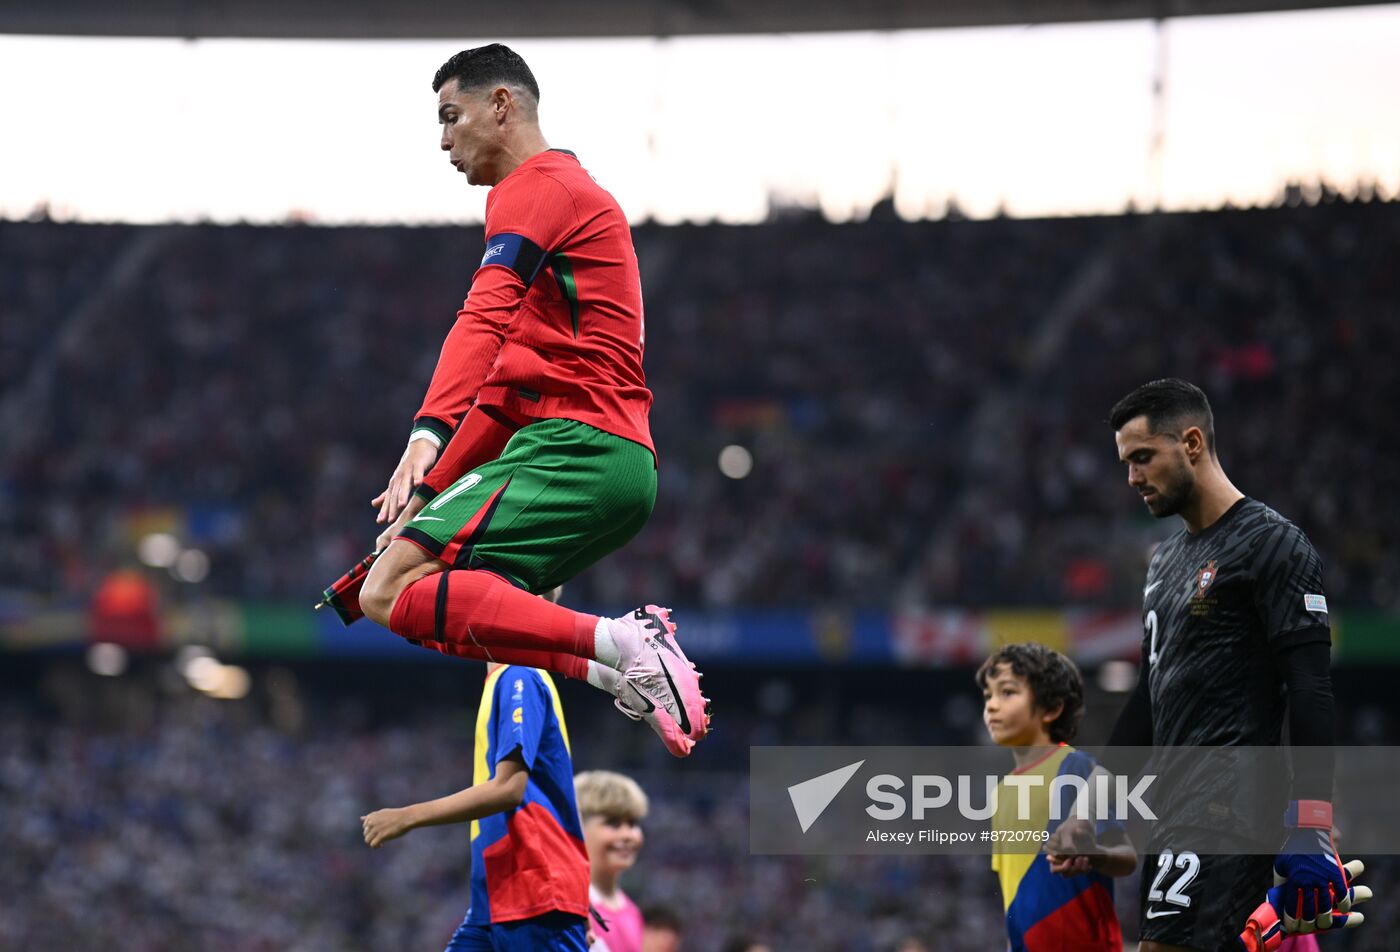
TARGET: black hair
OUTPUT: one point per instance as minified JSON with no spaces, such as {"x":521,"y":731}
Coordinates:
{"x":1170,"y":405}
{"x":486,"y":65}
{"x":1053,"y":679}
{"x":662,"y":917}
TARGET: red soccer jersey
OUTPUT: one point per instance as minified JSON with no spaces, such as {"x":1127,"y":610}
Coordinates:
{"x":553,"y":326}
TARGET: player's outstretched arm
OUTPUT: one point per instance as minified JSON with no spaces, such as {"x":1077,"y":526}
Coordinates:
{"x":503,"y":792}
{"x":1131,"y":736}
{"x":415,"y":506}
{"x":418,"y":458}
{"x":1308,"y":869}
{"x":468,"y":354}
{"x":481,"y":438}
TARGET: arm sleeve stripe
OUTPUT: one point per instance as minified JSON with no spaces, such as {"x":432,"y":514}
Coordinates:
{"x":515,"y":252}
{"x":438,"y":428}
{"x":423,"y":433}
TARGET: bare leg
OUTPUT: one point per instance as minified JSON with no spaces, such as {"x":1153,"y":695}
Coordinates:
{"x":402,"y":564}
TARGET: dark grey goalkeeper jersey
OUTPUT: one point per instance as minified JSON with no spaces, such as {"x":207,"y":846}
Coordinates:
{"x":1217,"y":606}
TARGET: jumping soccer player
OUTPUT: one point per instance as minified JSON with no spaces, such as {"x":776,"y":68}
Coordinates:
{"x":540,"y":400}
{"x":1236,"y":630}
{"x":529,"y":882}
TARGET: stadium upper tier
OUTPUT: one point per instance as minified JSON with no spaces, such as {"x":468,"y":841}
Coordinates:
{"x":418,"y":18}
{"x":924,"y":403}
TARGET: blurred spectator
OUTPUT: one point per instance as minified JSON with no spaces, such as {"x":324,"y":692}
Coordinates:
{"x":137,"y":809}
{"x":744,"y":944}
{"x":923,"y":408}
{"x":919,"y":406}
{"x":123,"y":610}
{"x":662,"y":929}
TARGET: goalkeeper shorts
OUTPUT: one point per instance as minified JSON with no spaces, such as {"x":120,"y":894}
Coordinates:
{"x":1200,"y":901}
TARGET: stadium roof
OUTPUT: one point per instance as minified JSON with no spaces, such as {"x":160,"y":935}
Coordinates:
{"x":366,"y":19}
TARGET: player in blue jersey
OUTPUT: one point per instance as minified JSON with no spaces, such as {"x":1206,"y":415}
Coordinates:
{"x":529,"y":885}
{"x":1033,"y":698}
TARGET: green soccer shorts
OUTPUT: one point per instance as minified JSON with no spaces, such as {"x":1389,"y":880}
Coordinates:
{"x":561,"y":495}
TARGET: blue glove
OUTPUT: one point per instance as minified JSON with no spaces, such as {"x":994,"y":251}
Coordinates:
{"x":1265,"y":932}
{"x":1308,"y":870}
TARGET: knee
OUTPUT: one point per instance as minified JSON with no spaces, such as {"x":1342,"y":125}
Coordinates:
{"x":396,"y":569}
{"x":380,"y":591}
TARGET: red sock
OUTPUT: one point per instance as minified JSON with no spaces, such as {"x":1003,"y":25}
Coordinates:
{"x":530,"y":659}
{"x":466,"y":609}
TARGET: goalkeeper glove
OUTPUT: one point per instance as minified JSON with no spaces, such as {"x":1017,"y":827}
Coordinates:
{"x":1265,"y":930}
{"x":1308,"y":870}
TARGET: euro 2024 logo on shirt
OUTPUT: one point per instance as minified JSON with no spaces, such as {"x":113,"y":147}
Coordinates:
{"x":517,"y":696}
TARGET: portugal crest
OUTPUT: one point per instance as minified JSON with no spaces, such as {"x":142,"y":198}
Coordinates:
{"x":1204,"y":578}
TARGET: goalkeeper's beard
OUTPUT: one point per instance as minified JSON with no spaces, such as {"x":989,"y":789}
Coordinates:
{"x":1174,"y":493}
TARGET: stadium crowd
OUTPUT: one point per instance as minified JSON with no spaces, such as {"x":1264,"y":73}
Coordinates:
{"x":146,"y":812}
{"x":923,"y":403}
{"x":139,"y":811}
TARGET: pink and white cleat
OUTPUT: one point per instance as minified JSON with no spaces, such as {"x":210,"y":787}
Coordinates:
{"x":659,"y":683}
{"x":639,"y":707}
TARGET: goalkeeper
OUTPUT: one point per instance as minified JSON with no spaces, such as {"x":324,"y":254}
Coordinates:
{"x":1236,"y":640}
